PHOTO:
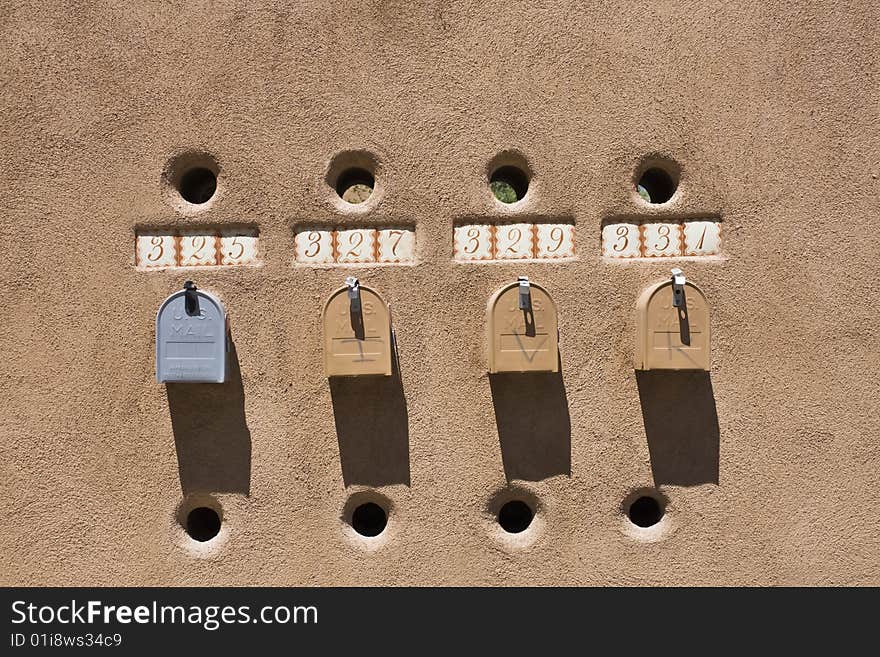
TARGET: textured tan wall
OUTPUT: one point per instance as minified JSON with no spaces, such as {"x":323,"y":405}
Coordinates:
{"x":771,"y":111}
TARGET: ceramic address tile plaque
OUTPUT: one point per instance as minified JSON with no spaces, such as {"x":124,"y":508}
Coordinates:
{"x":353,"y":246}
{"x":196,"y":247}
{"x":626,"y":239}
{"x":515,"y":241}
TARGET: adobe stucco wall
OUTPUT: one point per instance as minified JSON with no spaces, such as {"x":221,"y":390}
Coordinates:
{"x":771,"y":111}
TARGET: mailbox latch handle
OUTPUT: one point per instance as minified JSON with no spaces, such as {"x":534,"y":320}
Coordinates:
{"x":354,"y":293}
{"x":190,"y":298}
{"x":525,"y":293}
{"x":678,"y":282}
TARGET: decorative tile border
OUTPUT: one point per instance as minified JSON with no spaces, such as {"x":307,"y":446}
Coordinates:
{"x":157,"y":249}
{"x":657,"y":239}
{"x":353,"y":246}
{"x":196,"y":247}
{"x":519,"y":241}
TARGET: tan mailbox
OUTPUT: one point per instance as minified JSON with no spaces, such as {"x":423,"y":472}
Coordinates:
{"x":523,"y":329}
{"x":357,"y":332}
{"x":673,"y":327}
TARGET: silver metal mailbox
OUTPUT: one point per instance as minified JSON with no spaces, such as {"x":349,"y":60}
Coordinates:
{"x":191,"y":338}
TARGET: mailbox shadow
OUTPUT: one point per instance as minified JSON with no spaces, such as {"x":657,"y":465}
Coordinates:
{"x":534,"y":427}
{"x":681,"y":425}
{"x":211,"y":435}
{"x":372,"y":427}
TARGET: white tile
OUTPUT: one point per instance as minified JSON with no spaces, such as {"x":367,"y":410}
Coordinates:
{"x":702,"y":238}
{"x":396,"y":245}
{"x":662,"y":240}
{"x":238,"y":247}
{"x":554,"y":241}
{"x":314,"y":247}
{"x":355,"y":245}
{"x":472,"y":242}
{"x":156,"y":251}
{"x":514,"y":241}
{"x":197,"y":249}
{"x":621,"y":240}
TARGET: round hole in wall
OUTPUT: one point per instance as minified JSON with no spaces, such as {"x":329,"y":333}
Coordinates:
{"x":656,"y":185}
{"x":509,"y":184}
{"x":369,"y":519}
{"x":515,"y":516}
{"x":645,"y":511}
{"x":197,"y":185}
{"x":202,"y":523}
{"x":355,"y":185}
{"x":354,"y":179}
{"x":191,"y":181}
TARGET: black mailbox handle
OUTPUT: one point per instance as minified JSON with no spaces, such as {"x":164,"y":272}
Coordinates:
{"x":190,"y":298}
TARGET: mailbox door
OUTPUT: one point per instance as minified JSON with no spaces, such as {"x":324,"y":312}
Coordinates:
{"x":191,"y":348}
{"x":357,"y":343}
{"x":671,"y":338}
{"x":521,"y":340}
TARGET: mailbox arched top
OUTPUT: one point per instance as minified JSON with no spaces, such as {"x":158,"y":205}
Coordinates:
{"x":363,"y":288}
{"x":653,"y":290}
{"x":207,"y":296}
{"x":670,"y":337}
{"x":514,"y":286}
{"x":523,"y":329}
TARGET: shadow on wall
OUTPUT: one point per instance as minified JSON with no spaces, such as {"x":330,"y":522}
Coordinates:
{"x":534,"y":427}
{"x":211,"y":434}
{"x":681,"y":425}
{"x":372,"y":427}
